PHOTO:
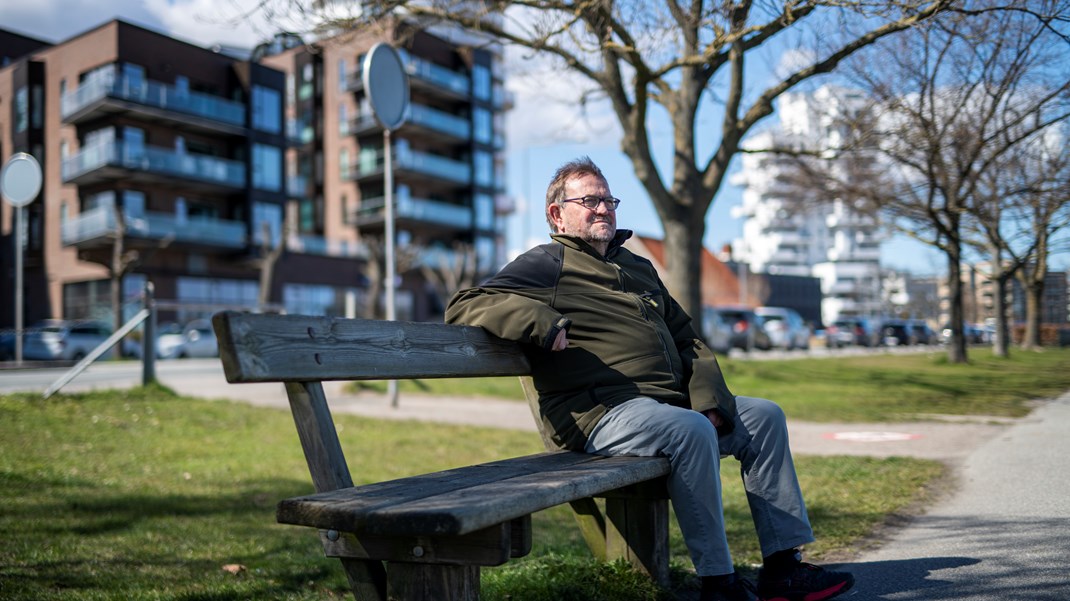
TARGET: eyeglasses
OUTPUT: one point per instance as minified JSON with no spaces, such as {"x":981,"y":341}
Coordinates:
{"x":592,"y":202}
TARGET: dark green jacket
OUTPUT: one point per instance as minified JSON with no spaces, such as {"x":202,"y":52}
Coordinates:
{"x":627,"y":337}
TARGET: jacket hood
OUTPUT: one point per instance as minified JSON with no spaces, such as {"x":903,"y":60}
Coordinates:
{"x":618,"y":240}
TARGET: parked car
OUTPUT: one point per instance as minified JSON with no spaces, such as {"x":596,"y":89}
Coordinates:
{"x":173,"y":341}
{"x":973,"y":333}
{"x":747,"y":330}
{"x":923,"y":334}
{"x":785,"y":327}
{"x":7,"y":346}
{"x":858,"y":331}
{"x":716,"y":330}
{"x":54,"y":339}
{"x":897,"y":332}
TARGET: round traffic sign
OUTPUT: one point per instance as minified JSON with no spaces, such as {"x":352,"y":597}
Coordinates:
{"x":387,"y":85}
{"x":20,"y":180}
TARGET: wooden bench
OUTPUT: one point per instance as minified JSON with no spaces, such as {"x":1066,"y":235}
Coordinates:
{"x":426,"y":536}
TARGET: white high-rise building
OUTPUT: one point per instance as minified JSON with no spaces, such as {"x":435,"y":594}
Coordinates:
{"x":823,"y":238}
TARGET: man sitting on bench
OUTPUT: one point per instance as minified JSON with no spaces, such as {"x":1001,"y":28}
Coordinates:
{"x":620,"y":371}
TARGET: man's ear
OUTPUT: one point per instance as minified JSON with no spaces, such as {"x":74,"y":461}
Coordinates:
{"x":554,"y":212}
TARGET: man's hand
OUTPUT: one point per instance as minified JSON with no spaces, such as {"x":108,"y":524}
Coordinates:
{"x":714,"y":417}
{"x":561,"y":342}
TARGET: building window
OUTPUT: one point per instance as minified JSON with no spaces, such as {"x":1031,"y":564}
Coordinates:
{"x":270,"y":216}
{"x":484,"y":211}
{"x":267,"y":167}
{"x":484,"y":125}
{"x":481,"y":84}
{"x":267,"y":110}
{"x":214,"y":292}
{"x":342,"y":75}
{"x":22,"y":109}
{"x":484,"y":169}
{"x":343,"y":164}
{"x":307,"y":216}
{"x":343,"y":119}
{"x":38,"y":107}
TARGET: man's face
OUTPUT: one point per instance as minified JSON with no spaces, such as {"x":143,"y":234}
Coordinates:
{"x":594,"y":226}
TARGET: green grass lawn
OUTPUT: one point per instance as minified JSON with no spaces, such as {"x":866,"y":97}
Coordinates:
{"x":144,"y":495}
{"x":871,"y":388}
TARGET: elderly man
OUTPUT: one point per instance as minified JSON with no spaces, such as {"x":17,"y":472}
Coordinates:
{"x":620,"y":371}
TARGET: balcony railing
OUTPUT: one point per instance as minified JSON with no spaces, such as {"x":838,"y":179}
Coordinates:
{"x":318,"y":245}
{"x":422,"y":116}
{"x":157,"y":95}
{"x":373,"y":210}
{"x":456,"y":82}
{"x":372,"y":163}
{"x":100,"y":222}
{"x":158,"y":160}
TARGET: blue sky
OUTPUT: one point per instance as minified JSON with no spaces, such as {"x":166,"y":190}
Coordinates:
{"x":542,"y":131}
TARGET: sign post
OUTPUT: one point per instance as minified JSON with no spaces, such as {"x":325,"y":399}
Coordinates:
{"x":20,"y":182}
{"x":387,"y":86}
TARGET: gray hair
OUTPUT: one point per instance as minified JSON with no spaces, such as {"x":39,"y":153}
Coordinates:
{"x":555,"y":193}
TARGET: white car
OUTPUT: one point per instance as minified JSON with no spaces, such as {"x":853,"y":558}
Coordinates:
{"x":196,"y":339}
{"x":785,"y":327}
{"x":65,"y":340}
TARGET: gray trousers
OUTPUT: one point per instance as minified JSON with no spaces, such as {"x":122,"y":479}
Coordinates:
{"x":645,"y":427}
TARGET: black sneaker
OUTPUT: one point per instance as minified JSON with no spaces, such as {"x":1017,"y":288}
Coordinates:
{"x":739,"y":589}
{"x":806,"y":582}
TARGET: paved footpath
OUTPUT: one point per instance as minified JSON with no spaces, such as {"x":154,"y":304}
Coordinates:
{"x":1003,"y":535}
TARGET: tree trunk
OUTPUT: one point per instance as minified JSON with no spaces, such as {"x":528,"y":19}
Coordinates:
{"x":683,"y":262}
{"x":956,"y":350}
{"x":117,"y":268}
{"x":1034,"y":293}
{"x":1001,"y":341}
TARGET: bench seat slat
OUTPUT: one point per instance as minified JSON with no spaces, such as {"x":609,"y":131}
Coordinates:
{"x":298,"y":348}
{"x":465,"y":500}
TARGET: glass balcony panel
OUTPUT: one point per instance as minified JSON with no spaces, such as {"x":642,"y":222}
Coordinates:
{"x":418,"y":209}
{"x":318,"y":245}
{"x":370,"y":162}
{"x":436,"y":74}
{"x":155,"y":226}
{"x":440,"y":121}
{"x":155,"y":94}
{"x":155,"y":160}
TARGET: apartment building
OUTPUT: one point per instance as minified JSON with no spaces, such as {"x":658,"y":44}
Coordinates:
{"x":203,"y":166}
{"x":785,"y":235}
{"x":447,"y":159}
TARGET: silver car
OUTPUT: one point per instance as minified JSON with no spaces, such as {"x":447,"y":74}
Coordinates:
{"x":55,"y":339}
{"x":785,"y":327}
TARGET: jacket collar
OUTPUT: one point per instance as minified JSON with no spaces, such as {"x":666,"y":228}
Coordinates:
{"x":578,"y":244}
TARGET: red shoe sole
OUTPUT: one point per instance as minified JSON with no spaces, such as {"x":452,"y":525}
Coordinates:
{"x":815,"y":596}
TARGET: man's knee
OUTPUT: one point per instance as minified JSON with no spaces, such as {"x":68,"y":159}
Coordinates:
{"x":759,"y":411}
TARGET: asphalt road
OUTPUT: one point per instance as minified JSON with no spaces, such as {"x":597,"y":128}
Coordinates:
{"x":1002,"y":533}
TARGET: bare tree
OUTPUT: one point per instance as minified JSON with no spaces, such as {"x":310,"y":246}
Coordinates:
{"x":449,"y":272}
{"x":947,"y":105}
{"x":406,"y":258}
{"x":272,"y":245}
{"x":643,"y":60}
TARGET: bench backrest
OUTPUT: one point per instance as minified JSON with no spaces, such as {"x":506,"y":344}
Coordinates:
{"x":298,"y":348}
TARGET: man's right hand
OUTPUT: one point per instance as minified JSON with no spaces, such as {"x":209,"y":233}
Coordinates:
{"x":561,"y":342}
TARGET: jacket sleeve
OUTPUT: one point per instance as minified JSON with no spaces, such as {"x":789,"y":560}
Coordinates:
{"x":706,"y":385}
{"x":516,"y":304}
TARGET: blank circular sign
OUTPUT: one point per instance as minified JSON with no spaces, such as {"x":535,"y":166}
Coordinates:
{"x":20,"y":180}
{"x":387,"y":85}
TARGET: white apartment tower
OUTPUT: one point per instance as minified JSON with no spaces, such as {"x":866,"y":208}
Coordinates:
{"x":826,"y":239}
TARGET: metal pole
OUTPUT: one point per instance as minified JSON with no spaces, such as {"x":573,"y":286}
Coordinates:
{"x":148,"y":340}
{"x":18,"y":286}
{"x":391,"y":312}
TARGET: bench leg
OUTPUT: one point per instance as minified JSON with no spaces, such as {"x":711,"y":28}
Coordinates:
{"x":367,"y":578}
{"x":637,"y":529}
{"x":430,"y":582}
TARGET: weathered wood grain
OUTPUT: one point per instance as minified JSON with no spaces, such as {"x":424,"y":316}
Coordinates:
{"x":297,"y":348}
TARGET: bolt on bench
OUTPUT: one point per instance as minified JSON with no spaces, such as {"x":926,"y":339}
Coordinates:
{"x":425,"y":537}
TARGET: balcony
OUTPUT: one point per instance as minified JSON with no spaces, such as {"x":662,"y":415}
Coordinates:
{"x":112,"y":160}
{"x":424,"y":75}
{"x":154,"y":101}
{"x":414,"y":164}
{"x":95,"y":227}
{"x":422,"y":122}
{"x":318,"y":245}
{"x":372,"y":211}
